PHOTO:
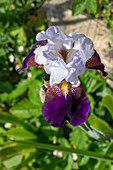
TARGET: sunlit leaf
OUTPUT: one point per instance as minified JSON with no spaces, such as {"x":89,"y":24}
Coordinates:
{"x":21,"y":88}
{"x":34,"y":91}
{"x":100,"y":125}
{"x":22,"y":36}
{"x":107,"y":101}
{"x":13,"y":161}
{"x":111,"y":37}
{"x":20,"y":33}
{"x":91,"y":6}
{"x":92,"y":102}
{"x":21,"y":133}
{"x":2,"y":52}
{"x":75,"y":138}
{"x":26,"y":109}
{"x":14,"y":31}
{"x":78,"y":6}
{"x":69,"y":163}
{"x":3,"y":97}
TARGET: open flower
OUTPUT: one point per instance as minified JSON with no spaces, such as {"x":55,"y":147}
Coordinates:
{"x":64,"y":58}
{"x":20,"y":49}
{"x":7,"y":125}
{"x":11,"y":58}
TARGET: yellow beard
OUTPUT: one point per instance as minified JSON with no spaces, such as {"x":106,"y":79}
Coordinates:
{"x":64,"y":87}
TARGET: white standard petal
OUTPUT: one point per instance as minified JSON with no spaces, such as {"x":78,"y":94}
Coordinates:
{"x":56,"y":37}
{"x":55,"y":33}
{"x":76,"y":36}
{"x":72,"y":54}
{"x":68,"y":44}
{"x":39,"y":56}
{"x":75,"y":68}
{"x":84,"y":45}
{"x":41,"y":36}
{"x":72,"y":77}
{"x":57,"y":70}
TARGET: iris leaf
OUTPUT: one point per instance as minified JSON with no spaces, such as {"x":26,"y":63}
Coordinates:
{"x":109,"y":152}
{"x":21,"y":133}
{"x":99,"y":124}
{"x":97,"y":128}
{"x":68,"y":150}
{"x":107,"y":102}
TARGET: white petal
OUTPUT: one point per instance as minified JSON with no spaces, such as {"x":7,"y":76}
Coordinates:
{"x":39,"y":56}
{"x":75,"y":68}
{"x":55,"y":33}
{"x":68,"y":44}
{"x":84,"y":45}
{"x":72,"y":77}
{"x":57,"y":70}
{"x":41,"y":36}
{"x":76,"y":36}
{"x":73,"y":53}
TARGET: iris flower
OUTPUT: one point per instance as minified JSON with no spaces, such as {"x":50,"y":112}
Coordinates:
{"x":64,"y":58}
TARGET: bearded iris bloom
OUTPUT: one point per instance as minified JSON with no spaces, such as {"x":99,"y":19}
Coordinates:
{"x":64,"y":58}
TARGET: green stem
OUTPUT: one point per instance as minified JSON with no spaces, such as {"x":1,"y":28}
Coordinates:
{"x":68,"y":150}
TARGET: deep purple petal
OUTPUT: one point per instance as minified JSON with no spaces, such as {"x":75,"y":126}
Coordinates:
{"x":95,"y":63}
{"x":54,"y":107}
{"x":75,"y":108}
{"x":30,"y":59}
{"x":78,"y":106}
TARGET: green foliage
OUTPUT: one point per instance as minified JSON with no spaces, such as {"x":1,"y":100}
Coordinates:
{"x":20,"y":133}
{"x":79,"y":6}
{"x":75,"y":138}
{"x":6,"y":87}
{"x":26,"y":109}
{"x":107,"y":102}
{"x":91,"y":6}
{"x":99,"y":129}
{"x":34,"y":92}
{"x":21,"y":88}
{"x":111,"y":37}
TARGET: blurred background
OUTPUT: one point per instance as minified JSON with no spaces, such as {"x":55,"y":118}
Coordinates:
{"x":21,"y":119}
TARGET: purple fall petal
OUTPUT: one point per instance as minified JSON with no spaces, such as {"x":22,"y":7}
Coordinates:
{"x":95,"y":63}
{"x":56,"y":109}
{"x":78,"y":106}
